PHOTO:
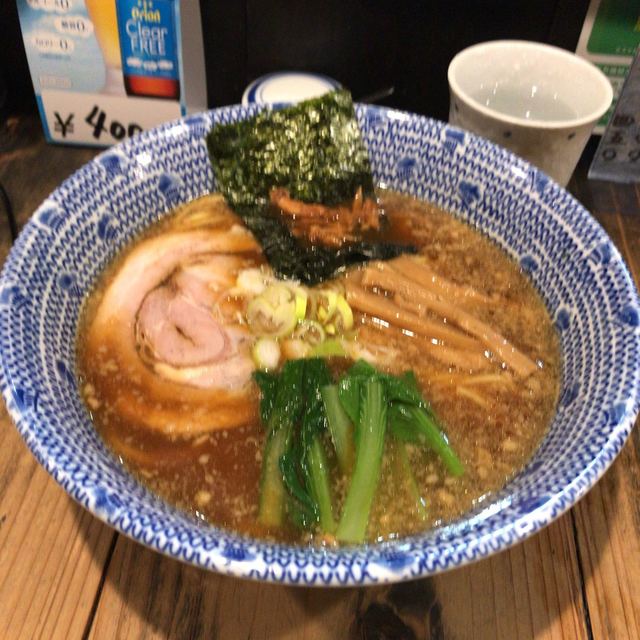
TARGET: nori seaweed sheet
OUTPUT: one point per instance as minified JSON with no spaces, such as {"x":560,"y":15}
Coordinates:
{"x":315,"y":151}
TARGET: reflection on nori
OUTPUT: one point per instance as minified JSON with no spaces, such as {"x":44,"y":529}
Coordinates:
{"x":315,"y":151}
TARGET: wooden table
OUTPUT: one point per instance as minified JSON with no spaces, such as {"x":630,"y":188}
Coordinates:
{"x":64,"y":574}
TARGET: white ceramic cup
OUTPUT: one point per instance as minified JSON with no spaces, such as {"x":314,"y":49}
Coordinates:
{"x":540,"y":101}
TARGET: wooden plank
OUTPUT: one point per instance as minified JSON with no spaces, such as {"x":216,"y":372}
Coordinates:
{"x":148,"y":595}
{"x":609,"y":536}
{"x":30,"y":168}
{"x":52,"y":552}
{"x":530,"y":591}
{"x":533,"y":590}
{"x":608,"y":519}
{"x":628,"y":235}
{"x":5,"y":239}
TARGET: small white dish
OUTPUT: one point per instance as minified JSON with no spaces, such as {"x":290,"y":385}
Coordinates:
{"x":540,"y":101}
{"x":287,"y":87}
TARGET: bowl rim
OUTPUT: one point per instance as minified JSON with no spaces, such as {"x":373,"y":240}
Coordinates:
{"x":349,"y":556}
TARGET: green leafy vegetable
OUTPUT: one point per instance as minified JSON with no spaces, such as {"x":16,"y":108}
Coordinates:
{"x":314,"y":423}
{"x":315,"y":151}
{"x":295,"y":473}
{"x":286,"y":409}
{"x":402,"y":388}
{"x":340,"y":427}
{"x":349,"y":395}
{"x":403,"y":476}
{"x":319,"y":485}
{"x":412,"y":424}
{"x":272,"y":491}
{"x":301,"y":406}
{"x":410,"y":420}
{"x":370,"y":434}
{"x":300,"y":506}
{"x":268,"y":383}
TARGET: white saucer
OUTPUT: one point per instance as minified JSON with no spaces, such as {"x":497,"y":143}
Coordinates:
{"x":287,"y":87}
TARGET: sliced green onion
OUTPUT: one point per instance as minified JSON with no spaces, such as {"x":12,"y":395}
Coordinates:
{"x":328,"y":348}
{"x":301,"y":306}
{"x":273,"y":313}
{"x":343,"y":319}
{"x":310,"y":331}
{"x":267,"y":320}
{"x":266,"y":354}
{"x":278,"y":295}
{"x":326,"y":301}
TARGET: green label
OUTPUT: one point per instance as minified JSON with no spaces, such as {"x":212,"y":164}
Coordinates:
{"x":616,"y":29}
{"x":616,"y":74}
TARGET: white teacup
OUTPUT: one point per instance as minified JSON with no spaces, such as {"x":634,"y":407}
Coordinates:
{"x":540,"y":101}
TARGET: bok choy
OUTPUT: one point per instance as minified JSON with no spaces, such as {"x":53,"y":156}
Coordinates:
{"x":312,"y":420}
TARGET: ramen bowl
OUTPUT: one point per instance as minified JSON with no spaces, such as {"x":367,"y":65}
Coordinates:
{"x":84,"y":223}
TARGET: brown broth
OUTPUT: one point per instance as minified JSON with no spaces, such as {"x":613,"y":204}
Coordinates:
{"x":494,"y":426}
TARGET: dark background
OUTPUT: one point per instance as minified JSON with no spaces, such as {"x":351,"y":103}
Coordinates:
{"x":397,"y":48}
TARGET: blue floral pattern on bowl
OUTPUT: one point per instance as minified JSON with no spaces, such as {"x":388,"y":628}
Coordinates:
{"x":93,"y":214}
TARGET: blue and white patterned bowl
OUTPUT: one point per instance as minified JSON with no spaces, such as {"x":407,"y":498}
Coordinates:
{"x":94,"y":213}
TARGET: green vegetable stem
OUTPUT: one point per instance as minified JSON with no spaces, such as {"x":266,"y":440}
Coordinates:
{"x":301,"y":408}
{"x":295,"y":473}
{"x":283,"y":412}
{"x":340,"y":427}
{"x":314,"y":465}
{"x":413,"y":424}
{"x":370,"y":432}
{"x":405,"y":479}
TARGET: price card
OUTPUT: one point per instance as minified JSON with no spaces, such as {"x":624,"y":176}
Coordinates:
{"x":618,"y":155}
{"x":104,"y":70}
{"x":100,"y":119}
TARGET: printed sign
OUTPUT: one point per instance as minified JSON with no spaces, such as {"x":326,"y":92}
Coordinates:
{"x":618,"y":155}
{"x":104,"y":70}
{"x":101,"y":119}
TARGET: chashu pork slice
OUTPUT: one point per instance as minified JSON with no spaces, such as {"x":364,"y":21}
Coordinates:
{"x":178,"y":363}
